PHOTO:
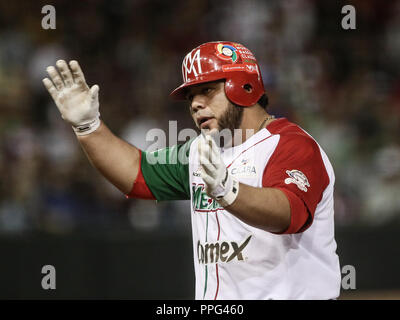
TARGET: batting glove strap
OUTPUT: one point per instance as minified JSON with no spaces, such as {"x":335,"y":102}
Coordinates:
{"x":87,"y":128}
{"x":231,"y":192}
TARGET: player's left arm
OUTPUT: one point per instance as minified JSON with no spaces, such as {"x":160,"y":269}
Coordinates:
{"x":285,"y":203}
{"x":264,"y":208}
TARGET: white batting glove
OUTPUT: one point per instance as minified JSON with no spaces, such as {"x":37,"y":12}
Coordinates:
{"x":220,"y":185}
{"x":77,"y":103}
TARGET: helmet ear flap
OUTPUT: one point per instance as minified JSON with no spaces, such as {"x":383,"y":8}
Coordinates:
{"x":241,"y":91}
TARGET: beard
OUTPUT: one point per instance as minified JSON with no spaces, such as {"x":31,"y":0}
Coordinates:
{"x":231,"y":119}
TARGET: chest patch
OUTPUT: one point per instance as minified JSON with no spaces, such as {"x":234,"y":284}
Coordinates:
{"x":245,"y":168}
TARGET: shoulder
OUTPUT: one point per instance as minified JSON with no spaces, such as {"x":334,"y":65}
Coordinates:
{"x":186,"y":146}
{"x":292,"y":138}
{"x":191,"y":145}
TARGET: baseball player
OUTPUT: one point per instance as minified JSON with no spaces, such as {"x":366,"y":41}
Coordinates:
{"x":261,"y":202}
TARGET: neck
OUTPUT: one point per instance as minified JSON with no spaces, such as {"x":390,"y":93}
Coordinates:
{"x":255,"y":118}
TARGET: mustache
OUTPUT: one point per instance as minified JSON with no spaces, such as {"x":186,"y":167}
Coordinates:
{"x":201,"y":116}
{"x":205,"y":115}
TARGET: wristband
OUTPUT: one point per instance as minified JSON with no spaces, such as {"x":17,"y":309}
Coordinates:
{"x":87,"y":128}
{"x":232,"y":193}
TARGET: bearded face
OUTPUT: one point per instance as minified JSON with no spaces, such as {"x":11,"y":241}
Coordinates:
{"x":213,"y":112}
{"x":231,"y":119}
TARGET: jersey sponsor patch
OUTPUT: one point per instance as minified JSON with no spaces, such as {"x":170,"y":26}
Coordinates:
{"x":221,"y":251}
{"x":197,"y":173}
{"x":298,"y":178}
{"x":244,"y":169}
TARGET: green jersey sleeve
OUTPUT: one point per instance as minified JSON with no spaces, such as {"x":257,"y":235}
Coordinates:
{"x":166,"y":172}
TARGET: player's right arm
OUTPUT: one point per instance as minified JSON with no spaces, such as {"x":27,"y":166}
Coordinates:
{"x":121,"y":163}
{"x":117,"y":160}
{"x":78,"y":104}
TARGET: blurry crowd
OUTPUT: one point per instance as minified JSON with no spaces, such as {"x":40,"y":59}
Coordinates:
{"x":339,"y":85}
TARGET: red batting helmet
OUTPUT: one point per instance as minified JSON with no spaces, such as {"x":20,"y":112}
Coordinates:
{"x":219,"y":60}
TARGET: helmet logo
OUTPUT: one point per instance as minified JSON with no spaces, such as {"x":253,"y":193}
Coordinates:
{"x":226,"y":52}
{"x":251,"y":68}
{"x":189,"y":65}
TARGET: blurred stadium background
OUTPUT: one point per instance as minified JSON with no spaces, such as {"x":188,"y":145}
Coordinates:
{"x":342,"y":86}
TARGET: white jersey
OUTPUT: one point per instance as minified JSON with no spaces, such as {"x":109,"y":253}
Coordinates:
{"x":236,"y":261}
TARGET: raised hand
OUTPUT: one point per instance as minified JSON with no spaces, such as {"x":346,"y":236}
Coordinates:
{"x":220,"y":185}
{"x":77,"y":103}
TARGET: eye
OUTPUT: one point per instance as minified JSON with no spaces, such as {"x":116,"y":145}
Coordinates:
{"x":206,"y":90}
{"x":189,"y":97}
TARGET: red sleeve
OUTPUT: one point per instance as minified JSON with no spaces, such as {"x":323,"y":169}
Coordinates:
{"x":140,"y":189}
{"x":297,"y":169}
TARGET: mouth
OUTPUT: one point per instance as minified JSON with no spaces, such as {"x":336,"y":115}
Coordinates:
{"x":204,"y":122}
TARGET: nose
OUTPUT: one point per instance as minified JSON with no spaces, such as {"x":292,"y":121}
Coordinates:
{"x":198,"y":102}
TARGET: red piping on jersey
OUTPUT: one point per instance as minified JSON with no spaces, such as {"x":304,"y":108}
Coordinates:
{"x":216,"y":216}
{"x":208,"y":210}
{"x":216,"y":265}
{"x":216,"y":270}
